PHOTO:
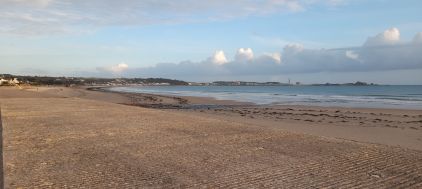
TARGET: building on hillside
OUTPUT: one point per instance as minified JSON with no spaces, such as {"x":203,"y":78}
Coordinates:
{"x":4,"y":81}
{"x":13,"y":81}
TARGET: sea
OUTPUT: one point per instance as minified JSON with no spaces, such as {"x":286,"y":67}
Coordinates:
{"x":372,"y":96}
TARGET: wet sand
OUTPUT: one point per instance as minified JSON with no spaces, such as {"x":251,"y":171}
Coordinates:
{"x":395,"y":127}
{"x":72,"y":138}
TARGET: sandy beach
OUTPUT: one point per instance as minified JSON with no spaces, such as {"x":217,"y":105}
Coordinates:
{"x":396,"y":127}
{"x":57,"y":137}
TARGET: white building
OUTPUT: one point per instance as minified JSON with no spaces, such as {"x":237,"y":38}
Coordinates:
{"x":3,"y":81}
{"x":14,"y":81}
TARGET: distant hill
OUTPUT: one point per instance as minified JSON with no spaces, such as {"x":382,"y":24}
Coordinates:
{"x":67,"y":81}
{"x":358,"y":83}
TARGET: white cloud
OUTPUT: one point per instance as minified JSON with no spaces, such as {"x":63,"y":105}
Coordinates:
{"x":274,"y":56}
{"x":218,"y":58}
{"x":244,"y":54}
{"x":388,"y":37}
{"x":45,"y":17}
{"x":352,"y":55}
{"x":119,"y":67}
{"x":296,"y":59}
{"x":115,"y":69}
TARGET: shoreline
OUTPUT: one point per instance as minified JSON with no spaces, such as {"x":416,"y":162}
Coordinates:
{"x":51,"y":133}
{"x":212,"y":100}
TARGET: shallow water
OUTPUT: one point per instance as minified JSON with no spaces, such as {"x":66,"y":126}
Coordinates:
{"x":385,"y":96}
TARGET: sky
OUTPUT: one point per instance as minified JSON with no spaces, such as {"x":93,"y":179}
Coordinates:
{"x":308,"y":41}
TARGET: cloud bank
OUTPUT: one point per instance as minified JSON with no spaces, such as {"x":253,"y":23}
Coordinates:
{"x":381,"y":52}
{"x":45,"y":17}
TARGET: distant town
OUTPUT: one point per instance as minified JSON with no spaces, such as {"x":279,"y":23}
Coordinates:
{"x":10,"y":80}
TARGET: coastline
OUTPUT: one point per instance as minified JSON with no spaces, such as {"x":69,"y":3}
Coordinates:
{"x":318,"y":96}
{"x":212,"y":100}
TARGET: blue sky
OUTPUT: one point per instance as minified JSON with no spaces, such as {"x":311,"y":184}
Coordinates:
{"x":178,"y":40}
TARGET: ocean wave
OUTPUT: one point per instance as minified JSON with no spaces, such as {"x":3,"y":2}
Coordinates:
{"x":260,"y":96}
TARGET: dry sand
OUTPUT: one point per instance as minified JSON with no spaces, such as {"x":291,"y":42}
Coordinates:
{"x":72,"y":138}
